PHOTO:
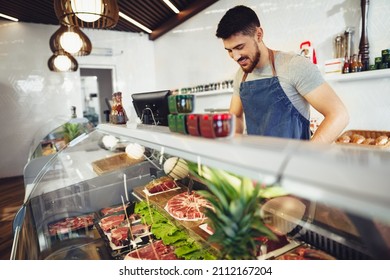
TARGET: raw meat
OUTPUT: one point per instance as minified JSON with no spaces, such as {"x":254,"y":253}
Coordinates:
{"x":71,"y":224}
{"x":154,"y":251}
{"x":187,"y":206}
{"x":304,"y":253}
{"x":111,"y":210}
{"x":120,"y":236}
{"x":161,"y":184}
{"x":111,"y":222}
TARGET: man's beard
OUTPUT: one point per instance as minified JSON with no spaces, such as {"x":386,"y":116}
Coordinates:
{"x":255,"y":61}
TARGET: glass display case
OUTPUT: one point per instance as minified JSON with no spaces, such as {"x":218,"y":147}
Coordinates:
{"x":336,"y":198}
{"x":55,"y":134}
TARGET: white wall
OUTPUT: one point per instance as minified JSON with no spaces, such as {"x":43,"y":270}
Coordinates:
{"x":34,"y":100}
{"x":286,"y":24}
{"x":189,"y":55}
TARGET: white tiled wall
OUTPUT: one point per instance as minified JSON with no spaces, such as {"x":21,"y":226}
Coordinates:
{"x":189,"y":55}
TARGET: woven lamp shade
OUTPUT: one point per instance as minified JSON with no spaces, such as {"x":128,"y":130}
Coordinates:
{"x":100,"y":14}
{"x":55,"y":40}
{"x":69,"y":63}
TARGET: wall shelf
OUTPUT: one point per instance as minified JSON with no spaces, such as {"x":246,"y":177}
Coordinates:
{"x":214,"y":92}
{"x":360,"y":76}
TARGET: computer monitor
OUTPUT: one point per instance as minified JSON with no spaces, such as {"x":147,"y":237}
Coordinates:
{"x":152,"y":107}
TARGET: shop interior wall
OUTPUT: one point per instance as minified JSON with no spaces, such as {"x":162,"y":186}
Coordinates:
{"x":34,"y":100}
{"x":195,"y":56}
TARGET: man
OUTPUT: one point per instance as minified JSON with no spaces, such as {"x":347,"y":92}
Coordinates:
{"x":273,"y":89}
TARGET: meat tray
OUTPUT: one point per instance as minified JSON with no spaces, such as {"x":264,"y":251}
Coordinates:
{"x":120,"y":221}
{"x":72,"y":227}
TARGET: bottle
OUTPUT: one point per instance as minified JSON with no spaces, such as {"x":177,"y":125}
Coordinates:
{"x":118,"y":114}
{"x":360,"y":63}
{"x":354,"y":64}
{"x":339,"y":46}
{"x":73,"y":112}
{"x":346,"y":65}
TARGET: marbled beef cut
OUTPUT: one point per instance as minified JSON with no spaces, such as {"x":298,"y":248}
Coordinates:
{"x":161,"y":184}
{"x":111,"y":222}
{"x":120,"y":236}
{"x":185,"y":206}
{"x":154,"y":251}
{"x":110,"y":210}
{"x":71,"y":224}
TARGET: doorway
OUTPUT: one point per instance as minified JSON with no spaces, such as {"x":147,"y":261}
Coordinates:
{"x":97,"y":89}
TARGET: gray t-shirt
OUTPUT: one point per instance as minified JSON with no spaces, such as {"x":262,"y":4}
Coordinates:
{"x":297,"y":75}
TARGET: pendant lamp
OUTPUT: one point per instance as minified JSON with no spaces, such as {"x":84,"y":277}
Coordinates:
{"x":97,"y":14}
{"x":70,"y":39}
{"x":61,"y":61}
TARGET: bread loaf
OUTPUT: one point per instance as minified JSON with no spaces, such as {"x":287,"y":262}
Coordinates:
{"x":344,"y":139}
{"x":381,"y":140}
{"x":358,"y":139}
{"x":369,"y":141}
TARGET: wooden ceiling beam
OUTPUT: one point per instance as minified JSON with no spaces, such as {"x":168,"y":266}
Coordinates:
{"x":192,"y":10}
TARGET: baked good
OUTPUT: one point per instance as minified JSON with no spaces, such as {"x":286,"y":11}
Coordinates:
{"x":381,"y":140}
{"x":344,"y":139}
{"x":369,"y":141}
{"x":358,"y":139}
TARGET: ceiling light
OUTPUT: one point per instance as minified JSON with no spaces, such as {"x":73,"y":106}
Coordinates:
{"x":170,"y":5}
{"x":71,"y":42}
{"x":136,"y":23}
{"x":87,"y":13}
{"x":62,"y":61}
{"x":8,"y":17}
{"x":70,"y":39}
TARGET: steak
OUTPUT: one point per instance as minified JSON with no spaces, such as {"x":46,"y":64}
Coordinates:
{"x":111,"y":222}
{"x":154,"y":251}
{"x":71,"y":224}
{"x":120,"y":236}
{"x":161,"y":184}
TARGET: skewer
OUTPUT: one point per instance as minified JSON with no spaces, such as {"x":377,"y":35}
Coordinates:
{"x":129,"y":225}
{"x":199,"y":166}
{"x":161,"y":155}
{"x":151,"y":218}
{"x":125,"y":185}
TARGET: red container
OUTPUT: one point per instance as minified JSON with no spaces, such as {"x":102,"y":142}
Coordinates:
{"x":193,"y":124}
{"x":206,"y":126}
{"x":223,"y":125}
{"x":216,"y":125}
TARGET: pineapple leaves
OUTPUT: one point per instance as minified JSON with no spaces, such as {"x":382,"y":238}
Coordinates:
{"x":235,"y":216}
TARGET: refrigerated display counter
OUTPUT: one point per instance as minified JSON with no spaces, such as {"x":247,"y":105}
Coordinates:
{"x":340,"y":198}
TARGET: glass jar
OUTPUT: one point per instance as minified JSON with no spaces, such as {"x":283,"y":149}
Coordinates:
{"x":118,"y":114}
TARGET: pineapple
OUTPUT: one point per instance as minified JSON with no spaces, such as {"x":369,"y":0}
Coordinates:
{"x":235,"y":219}
{"x":71,"y":131}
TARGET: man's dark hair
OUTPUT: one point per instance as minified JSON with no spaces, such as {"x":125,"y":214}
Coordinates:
{"x":238,"y":19}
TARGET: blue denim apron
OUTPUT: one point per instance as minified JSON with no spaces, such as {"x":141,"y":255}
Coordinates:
{"x":268,"y":111}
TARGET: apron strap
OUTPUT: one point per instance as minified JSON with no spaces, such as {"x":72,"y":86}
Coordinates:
{"x":271,"y":59}
{"x":244,"y":77}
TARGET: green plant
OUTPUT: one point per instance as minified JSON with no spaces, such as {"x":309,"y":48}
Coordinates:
{"x":71,"y":131}
{"x":235,"y":219}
